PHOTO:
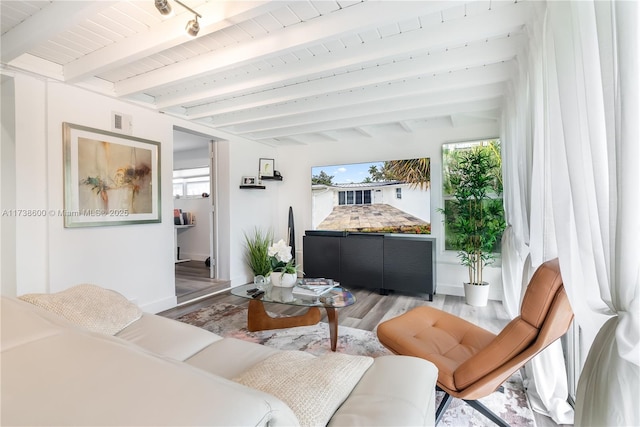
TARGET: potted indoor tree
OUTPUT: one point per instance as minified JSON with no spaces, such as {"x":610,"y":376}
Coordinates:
{"x":257,"y":252}
{"x":474,"y":218}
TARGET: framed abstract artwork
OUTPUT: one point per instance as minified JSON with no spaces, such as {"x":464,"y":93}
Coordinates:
{"x":109,"y":178}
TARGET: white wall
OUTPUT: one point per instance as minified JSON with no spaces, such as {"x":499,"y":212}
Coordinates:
{"x":8,"y":189}
{"x":295,"y":163}
{"x":135,"y":260}
{"x":194,"y":241}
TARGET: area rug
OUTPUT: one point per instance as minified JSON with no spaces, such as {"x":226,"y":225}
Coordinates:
{"x":230,"y":320}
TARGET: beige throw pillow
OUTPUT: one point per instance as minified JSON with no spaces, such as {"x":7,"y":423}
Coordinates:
{"x":313,"y":387}
{"x":95,"y":308}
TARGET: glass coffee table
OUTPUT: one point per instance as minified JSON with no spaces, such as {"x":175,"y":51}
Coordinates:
{"x":258,"y":319}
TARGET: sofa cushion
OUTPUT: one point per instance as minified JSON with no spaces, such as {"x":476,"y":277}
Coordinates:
{"x":395,"y":391}
{"x":167,"y":337}
{"x":230,"y":357}
{"x":92,"y":307}
{"x":313,"y":387}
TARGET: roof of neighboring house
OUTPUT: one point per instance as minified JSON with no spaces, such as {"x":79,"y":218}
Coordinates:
{"x":358,"y":184}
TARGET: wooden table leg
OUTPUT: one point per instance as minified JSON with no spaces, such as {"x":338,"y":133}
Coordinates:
{"x":332,"y":314}
{"x":258,"y":319}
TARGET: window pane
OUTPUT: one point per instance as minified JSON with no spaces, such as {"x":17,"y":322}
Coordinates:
{"x":349,"y":197}
{"x":359,"y":197}
{"x":341,"y":198}
{"x":184,"y":173}
{"x":451,"y":154}
{"x":197,"y":188}
{"x":178,"y":190}
{"x":367,"y":197}
{"x":398,"y":193}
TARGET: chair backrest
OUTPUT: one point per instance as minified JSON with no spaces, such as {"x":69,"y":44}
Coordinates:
{"x":545,"y":315}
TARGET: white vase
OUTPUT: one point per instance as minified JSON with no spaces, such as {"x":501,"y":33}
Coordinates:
{"x":476,"y":295}
{"x":284,"y":280}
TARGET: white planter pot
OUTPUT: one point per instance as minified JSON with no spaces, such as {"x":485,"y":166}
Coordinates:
{"x":283,"y":280}
{"x":476,"y":295}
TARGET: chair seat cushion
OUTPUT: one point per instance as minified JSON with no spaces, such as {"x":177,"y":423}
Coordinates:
{"x":437,"y":336}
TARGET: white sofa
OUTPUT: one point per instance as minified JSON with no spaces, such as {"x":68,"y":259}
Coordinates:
{"x":158,"y":371}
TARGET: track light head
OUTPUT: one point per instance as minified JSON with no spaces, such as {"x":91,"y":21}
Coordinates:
{"x":163,"y":7}
{"x":193,"y":27}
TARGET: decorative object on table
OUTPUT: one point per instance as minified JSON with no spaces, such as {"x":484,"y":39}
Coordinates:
{"x":266,"y":168}
{"x":292,"y":234}
{"x":474,"y":219}
{"x":283,"y":270}
{"x":257,"y":252}
{"x":109,"y":178}
{"x":313,"y":289}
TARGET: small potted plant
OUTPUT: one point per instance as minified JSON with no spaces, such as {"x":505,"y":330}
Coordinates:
{"x":257,"y":252}
{"x":283,"y":271}
{"x":474,"y":220}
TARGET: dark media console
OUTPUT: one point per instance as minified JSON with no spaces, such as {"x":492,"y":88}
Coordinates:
{"x":377,"y":261}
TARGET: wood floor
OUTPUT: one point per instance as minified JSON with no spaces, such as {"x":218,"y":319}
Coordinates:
{"x":192,"y":281}
{"x":369,"y":310}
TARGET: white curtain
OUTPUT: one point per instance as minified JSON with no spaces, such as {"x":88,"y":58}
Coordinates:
{"x":529,"y":239}
{"x":581,"y":97}
{"x":595,"y":147}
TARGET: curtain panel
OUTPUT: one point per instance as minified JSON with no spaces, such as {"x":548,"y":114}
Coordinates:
{"x":581,"y":102}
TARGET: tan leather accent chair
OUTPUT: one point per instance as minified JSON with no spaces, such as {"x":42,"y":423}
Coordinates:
{"x":473,"y":362}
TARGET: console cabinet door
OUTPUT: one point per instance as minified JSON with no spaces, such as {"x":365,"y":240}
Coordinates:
{"x":322,"y":256}
{"x":409,"y":265}
{"x":361,"y":261}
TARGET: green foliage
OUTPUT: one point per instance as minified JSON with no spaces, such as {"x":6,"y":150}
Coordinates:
{"x":322,"y":178}
{"x":257,"y":251}
{"x":473,"y":219}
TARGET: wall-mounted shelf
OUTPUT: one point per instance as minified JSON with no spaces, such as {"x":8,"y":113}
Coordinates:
{"x":252,"y":187}
{"x":271,"y":178}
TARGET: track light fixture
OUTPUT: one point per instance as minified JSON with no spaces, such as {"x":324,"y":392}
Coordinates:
{"x":163,"y":7}
{"x":192,"y":27}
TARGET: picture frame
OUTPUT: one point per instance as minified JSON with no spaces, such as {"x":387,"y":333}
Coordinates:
{"x":109,"y":178}
{"x":249,"y":180}
{"x":266,"y":168}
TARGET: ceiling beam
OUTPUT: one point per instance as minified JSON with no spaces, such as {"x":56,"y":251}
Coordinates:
{"x":53,"y":19}
{"x":416,"y":114}
{"x":376,"y":114}
{"x":169,"y":33}
{"x":452,"y":33}
{"x":326,"y":27}
{"x":423,"y":87}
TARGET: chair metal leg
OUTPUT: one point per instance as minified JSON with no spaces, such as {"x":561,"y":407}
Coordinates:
{"x":478,"y":406}
{"x":444,"y":404}
{"x":475,"y":404}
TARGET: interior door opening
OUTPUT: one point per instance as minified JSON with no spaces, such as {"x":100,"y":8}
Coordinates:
{"x":195,"y":237}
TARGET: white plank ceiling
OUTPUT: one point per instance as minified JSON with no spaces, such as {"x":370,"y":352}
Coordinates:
{"x":282,"y":72}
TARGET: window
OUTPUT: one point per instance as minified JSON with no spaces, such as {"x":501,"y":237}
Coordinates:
{"x":493,"y":202}
{"x":398,"y":193}
{"x":191,"y":182}
{"x":358,"y":197}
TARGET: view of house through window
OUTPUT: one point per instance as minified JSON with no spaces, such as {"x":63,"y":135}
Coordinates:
{"x":191,"y":182}
{"x":451,"y":153}
{"x":386,"y":196}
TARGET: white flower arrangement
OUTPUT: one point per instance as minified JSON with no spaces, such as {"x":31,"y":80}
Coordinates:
{"x":281,"y":258}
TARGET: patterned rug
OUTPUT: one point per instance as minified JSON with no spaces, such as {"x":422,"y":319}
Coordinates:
{"x":230,"y":320}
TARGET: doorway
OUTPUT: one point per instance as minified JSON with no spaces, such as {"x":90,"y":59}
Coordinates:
{"x":195,"y":236}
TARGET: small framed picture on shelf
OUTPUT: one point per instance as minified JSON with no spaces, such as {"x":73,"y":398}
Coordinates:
{"x":266,"y":168}
{"x":249,"y":180}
